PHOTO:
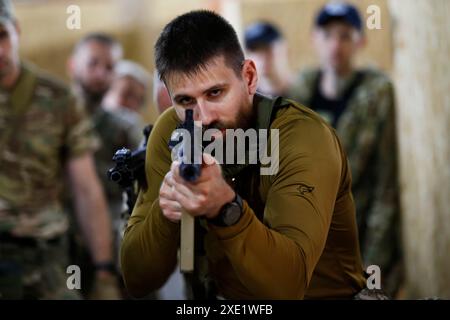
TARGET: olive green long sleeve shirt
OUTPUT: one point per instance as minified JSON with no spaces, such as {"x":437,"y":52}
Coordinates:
{"x":306,"y":244}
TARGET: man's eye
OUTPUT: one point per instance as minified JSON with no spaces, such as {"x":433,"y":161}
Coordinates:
{"x":215,"y":92}
{"x":185,"y":101}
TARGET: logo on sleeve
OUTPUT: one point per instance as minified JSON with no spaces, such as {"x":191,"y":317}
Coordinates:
{"x":304,"y":189}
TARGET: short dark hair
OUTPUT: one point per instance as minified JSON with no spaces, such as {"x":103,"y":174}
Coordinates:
{"x":189,"y":41}
{"x":99,"y":37}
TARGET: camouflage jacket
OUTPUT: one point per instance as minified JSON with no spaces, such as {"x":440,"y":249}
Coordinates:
{"x":41,"y":128}
{"x":367,"y":131}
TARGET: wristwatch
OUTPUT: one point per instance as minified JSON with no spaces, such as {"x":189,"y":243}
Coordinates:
{"x":229,"y":214}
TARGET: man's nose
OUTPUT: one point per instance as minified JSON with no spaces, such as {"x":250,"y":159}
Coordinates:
{"x":102,"y":72}
{"x":335,"y":44}
{"x":205,"y":113}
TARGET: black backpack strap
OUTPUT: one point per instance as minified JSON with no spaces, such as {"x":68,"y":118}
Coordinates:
{"x":278,"y":104}
{"x":275,"y":107}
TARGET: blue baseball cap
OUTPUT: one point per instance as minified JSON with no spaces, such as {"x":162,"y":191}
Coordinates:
{"x":339,"y":11}
{"x":6,"y":11}
{"x":260,"y":34}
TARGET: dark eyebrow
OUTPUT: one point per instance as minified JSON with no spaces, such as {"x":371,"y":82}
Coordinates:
{"x":181,"y":96}
{"x":215,"y":87}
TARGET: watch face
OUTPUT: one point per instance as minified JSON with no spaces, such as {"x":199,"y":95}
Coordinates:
{"x":232,"y":214}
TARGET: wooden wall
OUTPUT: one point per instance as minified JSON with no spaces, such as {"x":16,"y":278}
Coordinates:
{"x":422,"y":80}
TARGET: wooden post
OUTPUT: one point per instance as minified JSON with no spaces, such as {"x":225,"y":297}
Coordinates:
{"x":422,"y":81}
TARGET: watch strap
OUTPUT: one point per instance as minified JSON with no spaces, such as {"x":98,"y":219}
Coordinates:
{"x":218,"y":220}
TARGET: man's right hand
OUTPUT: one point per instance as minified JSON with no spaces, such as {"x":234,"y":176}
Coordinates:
{"x":202,"y":198}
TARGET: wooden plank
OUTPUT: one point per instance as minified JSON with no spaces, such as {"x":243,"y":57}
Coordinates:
{"x":187,"y":243}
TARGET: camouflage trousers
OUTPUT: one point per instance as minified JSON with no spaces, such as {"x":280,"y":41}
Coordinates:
{"x":35,"y":271}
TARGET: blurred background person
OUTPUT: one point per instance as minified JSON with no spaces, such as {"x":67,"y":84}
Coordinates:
{"x":161,"y":96}
{"x":266,"y":46}
{"x":359,"y":103}
{"x":91,"y":67}
{"x":125,"y":100}
{"x":129,"y":89}
{"x":44,"y":134}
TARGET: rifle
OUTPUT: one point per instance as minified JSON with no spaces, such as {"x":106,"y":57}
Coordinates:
{"x":129,"y":168}
{"x":190,"y":156}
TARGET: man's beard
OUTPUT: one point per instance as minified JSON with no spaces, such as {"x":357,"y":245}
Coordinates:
{"x":6,"y":70}
{"x":246,"y":119}
{"x":92,"y":97}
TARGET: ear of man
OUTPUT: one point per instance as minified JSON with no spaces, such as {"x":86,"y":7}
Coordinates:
{"x":250,"y":76}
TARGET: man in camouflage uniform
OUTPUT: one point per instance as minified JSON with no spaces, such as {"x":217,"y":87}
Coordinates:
{"x":161,"y":97}
{"x":360,"y":105}
{"x":44,"y":134}
{"x":92,"y":66}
